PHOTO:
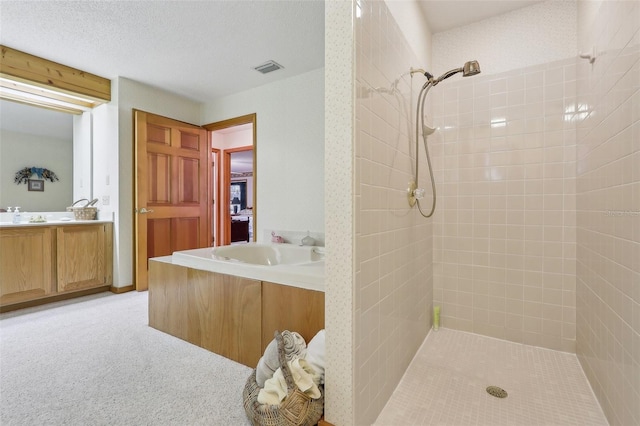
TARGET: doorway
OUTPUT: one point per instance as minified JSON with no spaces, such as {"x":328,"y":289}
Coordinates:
{"x":237,"y":216}
{"x":239,"y":163}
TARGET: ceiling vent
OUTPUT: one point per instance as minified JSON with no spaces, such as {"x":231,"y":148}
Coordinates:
{"x":268,"y":66}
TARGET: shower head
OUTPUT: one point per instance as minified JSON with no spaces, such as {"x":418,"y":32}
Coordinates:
{"x":468,"y":69}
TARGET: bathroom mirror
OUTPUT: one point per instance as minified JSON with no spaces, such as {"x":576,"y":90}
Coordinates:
{"x":31,"y":136}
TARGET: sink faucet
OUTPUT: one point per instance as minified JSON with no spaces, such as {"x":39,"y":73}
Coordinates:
{"x":308,"y":240}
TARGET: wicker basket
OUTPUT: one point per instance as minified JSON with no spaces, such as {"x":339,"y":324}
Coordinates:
{"x":86,"y":212}
{"x":297,"y":408}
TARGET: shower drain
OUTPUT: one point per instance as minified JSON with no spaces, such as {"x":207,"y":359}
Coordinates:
{"x":497,"y":392}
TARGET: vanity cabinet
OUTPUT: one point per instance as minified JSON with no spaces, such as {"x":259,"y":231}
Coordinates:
{"x":26,"y":264}
{"x":81,"y":257}
{"x":44,"y":261}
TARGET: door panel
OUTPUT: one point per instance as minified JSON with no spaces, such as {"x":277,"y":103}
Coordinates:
{"x":158,"y":237}
{"x":171,"y":189}
{"x":188,"y":188}
{"x":159,"y":175}
{"x":186,"y":231}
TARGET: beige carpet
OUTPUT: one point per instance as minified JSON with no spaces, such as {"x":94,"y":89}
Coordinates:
{"x":95,"y":361}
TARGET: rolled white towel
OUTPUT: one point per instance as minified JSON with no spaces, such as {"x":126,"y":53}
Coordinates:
{"x":268,"y":363}
{"x":294,"y":345}
{"x":316,"y":353}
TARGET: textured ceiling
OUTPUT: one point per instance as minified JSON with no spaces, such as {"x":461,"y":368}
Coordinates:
{"x":199,"y":49}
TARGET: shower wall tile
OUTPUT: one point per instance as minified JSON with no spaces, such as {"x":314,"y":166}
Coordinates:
{"x":393,"y":245}
{"x":504,"y":233}
{"x":607,"y":114}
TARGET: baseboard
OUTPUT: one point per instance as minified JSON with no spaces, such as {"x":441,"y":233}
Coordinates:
{"x":50,"y":299}
{"x":125,"y":289}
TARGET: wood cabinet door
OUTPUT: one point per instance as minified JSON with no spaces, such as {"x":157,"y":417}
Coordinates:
{"x":26,"y":268}
{"x":290,"y":308}
{"x":81,"y":257}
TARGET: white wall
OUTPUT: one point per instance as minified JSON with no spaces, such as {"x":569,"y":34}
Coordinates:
{"x":290,"y":117}
{"x":544,"y":32}
{"x":414,"y":27}
{"x":116,"y":157}
{"x":19,"y":150}
{"x":82,"y":161}
{"x":290,"y":149}
{"x":235,"y":139}
{"x":339,"y":212}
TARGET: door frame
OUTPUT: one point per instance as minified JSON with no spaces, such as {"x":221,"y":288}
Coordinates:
{"x":225,"y":179}
{"x":215,"y":194}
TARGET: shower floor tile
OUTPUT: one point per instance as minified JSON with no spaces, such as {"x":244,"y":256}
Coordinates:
{"x":446,"y":383}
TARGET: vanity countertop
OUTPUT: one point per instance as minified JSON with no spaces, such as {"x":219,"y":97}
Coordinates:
{"x":26,"y":223}
{"x":50,"y":219}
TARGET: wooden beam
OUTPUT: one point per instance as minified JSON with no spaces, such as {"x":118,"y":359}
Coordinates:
{"x":25,"y":68}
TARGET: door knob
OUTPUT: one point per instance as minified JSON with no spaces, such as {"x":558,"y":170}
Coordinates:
{"x":144,"y":211}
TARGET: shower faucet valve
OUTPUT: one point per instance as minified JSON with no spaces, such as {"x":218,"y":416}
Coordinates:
{"x":414,"y":193}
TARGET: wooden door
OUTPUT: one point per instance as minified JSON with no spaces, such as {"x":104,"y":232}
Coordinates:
{"x":171,"y":189}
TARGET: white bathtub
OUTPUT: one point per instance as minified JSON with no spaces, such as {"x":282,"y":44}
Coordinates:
{"x":287,"y":264}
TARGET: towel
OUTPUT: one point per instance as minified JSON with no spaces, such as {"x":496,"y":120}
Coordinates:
{"x":294,"y":347}
{"x":275,"y":389}
{"x":315,"y":355}
{"x":268,"y":363}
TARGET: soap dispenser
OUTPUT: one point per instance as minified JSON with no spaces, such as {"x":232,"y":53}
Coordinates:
{"x":16,"y":215}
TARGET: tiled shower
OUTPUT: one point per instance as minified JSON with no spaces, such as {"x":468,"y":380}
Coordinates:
{"x":536,"y":238}
{"x":504,"y":258}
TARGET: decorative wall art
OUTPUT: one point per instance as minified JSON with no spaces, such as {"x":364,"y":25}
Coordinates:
{"x":24,"y":176}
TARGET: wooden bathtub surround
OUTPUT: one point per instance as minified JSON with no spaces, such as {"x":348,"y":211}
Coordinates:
{"x":290,"y":308}
{"x":43,"y":263}
{"x":232,"y":316}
